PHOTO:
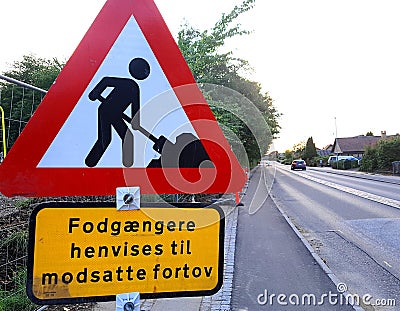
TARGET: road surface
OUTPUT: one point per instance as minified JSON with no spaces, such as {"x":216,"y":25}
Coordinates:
{"x":356,"y":236}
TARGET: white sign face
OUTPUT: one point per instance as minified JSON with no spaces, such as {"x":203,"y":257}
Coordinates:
{"x":161,"y":113}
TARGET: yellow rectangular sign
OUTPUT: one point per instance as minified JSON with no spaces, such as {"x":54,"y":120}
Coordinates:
{"x":92,"y":252}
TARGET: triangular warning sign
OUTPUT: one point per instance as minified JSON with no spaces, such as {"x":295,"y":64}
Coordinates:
{"x":124,"y":111}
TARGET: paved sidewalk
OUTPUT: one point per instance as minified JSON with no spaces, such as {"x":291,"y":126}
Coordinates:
{"x":218,"y":302}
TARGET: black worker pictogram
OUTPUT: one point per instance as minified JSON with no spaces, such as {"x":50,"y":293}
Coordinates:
{"x":187,"y":151}
{"x":124,"y":92}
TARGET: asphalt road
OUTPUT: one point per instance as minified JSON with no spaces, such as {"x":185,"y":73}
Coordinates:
{"x":358,"y":238}
{"x":385,"y":186}
{"x":271,"y":261}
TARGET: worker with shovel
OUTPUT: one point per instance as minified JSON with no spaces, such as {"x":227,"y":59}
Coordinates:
{"x":186,"y":152}
{"x":125,"y":92}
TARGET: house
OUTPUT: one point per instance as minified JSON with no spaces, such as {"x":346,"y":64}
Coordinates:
{"x":355,"y":146}
{"x":326,"y":151}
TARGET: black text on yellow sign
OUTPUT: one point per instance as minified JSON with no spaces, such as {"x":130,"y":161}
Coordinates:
{"x":92,"y":252}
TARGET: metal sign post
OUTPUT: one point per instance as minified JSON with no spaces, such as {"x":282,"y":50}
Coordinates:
{"x":128,"y":198}
{"x":128,"y":302}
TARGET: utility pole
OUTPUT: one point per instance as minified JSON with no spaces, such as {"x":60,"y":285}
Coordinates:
{"x":336,"y":142}
{"x":335,"y":128}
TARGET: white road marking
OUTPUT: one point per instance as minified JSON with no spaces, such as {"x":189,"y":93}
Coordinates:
{"x":360,"y":193}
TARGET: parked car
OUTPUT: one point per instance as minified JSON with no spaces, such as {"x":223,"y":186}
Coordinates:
{"x":335,"y":158}
{"x":298,"y":165}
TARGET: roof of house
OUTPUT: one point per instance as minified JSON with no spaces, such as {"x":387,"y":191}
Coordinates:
{"x":324,"y":152}
{"x":355,"y":144}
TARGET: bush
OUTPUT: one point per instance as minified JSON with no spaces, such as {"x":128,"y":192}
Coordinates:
{"x":17,"y":299}
{"x":369,"y":162}
{"x":381,"y":156}
{"x":315,"y":161}
{"x":388,"y":151}
{"x":12,"y":280}
{"x":345,"y":164}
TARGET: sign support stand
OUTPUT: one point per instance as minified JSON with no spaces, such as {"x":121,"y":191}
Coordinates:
{"x":128,"y":302}
{"x":128,"y":198}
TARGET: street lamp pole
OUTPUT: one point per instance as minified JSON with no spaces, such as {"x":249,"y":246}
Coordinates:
{"x":335,"y":128}
{"x":336,"y":142}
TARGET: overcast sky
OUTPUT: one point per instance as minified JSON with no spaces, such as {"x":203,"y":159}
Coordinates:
{"x":317,"y":59}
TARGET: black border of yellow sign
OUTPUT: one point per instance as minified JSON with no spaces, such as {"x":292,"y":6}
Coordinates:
{"x":52,"y":240}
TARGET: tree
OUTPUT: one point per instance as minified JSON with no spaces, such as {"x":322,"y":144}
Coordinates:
{"x":201,"y":49}
{"x":209,"y":65}
{"x":37,"y":71}
{"x":381,"y":155}
{"x":310,"y":151}
{"x":298,"y":149}
{"x":369,"y":134}
{"x":288,"y":156}
{"x":20,"y":103}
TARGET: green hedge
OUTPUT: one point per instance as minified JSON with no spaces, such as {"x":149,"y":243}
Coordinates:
{"x":381,"y":156}
{"x":345,"y":164}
